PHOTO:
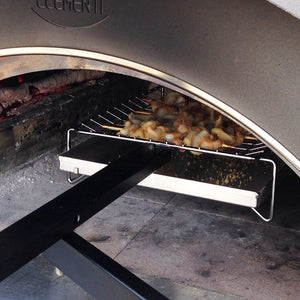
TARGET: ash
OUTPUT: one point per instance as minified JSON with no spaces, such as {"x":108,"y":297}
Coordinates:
{"x":28,"y":187}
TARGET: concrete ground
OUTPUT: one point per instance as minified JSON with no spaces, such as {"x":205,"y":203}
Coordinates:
{"x":187,"y":248}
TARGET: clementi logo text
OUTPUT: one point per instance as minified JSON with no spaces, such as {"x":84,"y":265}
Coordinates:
{"x":70,"y":13}
{"x":77,"y":6}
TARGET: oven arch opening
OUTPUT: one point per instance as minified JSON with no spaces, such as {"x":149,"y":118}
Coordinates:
{"x":22,"y":60}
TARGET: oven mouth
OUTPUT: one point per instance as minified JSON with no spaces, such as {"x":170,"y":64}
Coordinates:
{"x":105,"y":62}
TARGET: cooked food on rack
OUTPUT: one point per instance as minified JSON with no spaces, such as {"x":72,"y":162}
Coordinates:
{"x":182,"y":121}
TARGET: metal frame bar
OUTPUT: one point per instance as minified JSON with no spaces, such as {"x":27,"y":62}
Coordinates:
{"x":36,"y":232}
{"x":74,"y":180}
{"x":69,"y":174}
{"x":272,"y":202}
{"x":97,"y":273}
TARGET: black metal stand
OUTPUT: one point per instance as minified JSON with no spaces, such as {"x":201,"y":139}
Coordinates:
{"x":95,"y":272}
{"x":52,"y":222}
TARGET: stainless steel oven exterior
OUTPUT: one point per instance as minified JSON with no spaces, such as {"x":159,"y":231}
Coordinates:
{"x":241,"y":57}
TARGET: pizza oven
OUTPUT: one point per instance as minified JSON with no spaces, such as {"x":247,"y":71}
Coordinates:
{"x":238,"y":58}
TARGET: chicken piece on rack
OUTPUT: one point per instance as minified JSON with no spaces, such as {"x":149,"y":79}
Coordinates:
{"x":186,"y":122}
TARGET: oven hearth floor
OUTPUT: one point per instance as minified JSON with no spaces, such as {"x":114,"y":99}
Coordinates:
{"x":187,"y":248}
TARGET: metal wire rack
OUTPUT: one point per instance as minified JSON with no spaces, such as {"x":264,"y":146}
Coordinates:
{"x":105,"y":124}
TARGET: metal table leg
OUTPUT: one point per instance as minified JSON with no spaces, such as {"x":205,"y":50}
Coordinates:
{"x":94,"y":271}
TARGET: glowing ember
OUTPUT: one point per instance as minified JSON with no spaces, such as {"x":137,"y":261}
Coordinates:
{"x":38,"y":95}
{"x":20,"y":79}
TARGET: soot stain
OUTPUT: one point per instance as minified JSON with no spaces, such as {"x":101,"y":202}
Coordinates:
{"x":100,"y":239}
{"x":124,"y":229}
{"x":237,"y":234}
{"x":205,"y":273}
{"x":170,"y":214}
{"x":275,"y":265}
{"x":284,"y":248}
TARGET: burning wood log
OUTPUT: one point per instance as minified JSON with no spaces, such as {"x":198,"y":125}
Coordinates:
{"x":54,"y":82}
{"x":11,"y":95}
{"x":10,"y":98}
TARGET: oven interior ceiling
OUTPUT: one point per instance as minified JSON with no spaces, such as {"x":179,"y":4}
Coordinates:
{"x":239,"y":57}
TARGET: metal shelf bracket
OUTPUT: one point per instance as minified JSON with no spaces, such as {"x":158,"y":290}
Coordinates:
{"x":271,"y":211}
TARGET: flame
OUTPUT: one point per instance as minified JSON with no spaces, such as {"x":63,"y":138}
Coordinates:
{"x":20,"y":79}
